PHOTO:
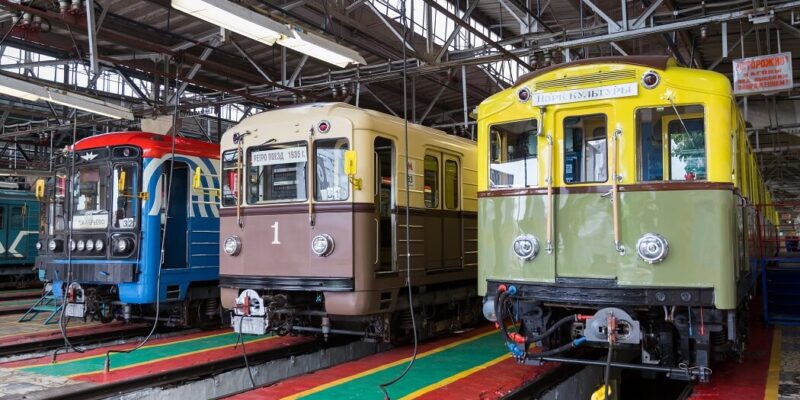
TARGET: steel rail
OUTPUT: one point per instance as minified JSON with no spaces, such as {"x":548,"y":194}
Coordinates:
{"x":57,"y":341}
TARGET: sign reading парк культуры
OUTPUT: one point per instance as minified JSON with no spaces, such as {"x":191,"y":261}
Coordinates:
{"x":764,"y":74}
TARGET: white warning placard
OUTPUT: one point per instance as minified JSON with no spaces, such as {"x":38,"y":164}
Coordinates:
{"x":764,"y":74}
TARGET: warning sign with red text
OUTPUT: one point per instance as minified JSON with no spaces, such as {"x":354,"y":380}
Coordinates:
{"x":762,"y":74}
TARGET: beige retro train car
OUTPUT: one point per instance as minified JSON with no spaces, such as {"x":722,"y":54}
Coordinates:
{"x":313,"y":223}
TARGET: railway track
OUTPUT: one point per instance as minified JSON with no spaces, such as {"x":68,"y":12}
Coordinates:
{"x":18,"y":301}
{"x":195,"y":372}
{"x":544,"y":383}
{"x":55,"y":341}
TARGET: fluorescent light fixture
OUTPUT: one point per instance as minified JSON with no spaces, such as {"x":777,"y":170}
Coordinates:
{"x":321,"y":48}
{"x":34,"y":92}
{"x":234,"y":18}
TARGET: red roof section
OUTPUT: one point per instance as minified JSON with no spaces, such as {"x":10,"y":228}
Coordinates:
{"x":153,"y":145}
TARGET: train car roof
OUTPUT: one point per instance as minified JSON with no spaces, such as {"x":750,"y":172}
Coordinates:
{"x":655,"y":62}
{"x":153,"y":145}
{"x":17,"y":194}
{"x":360,"y":117}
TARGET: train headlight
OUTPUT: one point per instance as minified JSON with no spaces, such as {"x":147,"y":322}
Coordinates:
{"x":322,"y":245}
{"x":38,"y":245}
{"x":650,"y":79}
{"x":98,"y":244}
{"x":526,"y":247}
{"x":652,"y":248}
{"x":232,"y":245}
{"x":72,"y":245}
{"x":89,"y":245}
{"x":52,"y":245}
{"x":123,"y":246}
{"x":81,"y":245}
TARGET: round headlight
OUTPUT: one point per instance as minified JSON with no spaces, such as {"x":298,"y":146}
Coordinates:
{"x":322,"y":245}
{"x":38,"y":245}
{"x":650,"y":79}
{"x":71,"y":245}
{"x":232,"y":245}
{"x":523,"y":95}
{"x":89,"y":245}
{"x":81,"y":245}
{"x":122,"y":245}
{"x":52,"y":245}
{"x":98,"y":244}
{"x":526,"y":247}
{"x":652,"y":248}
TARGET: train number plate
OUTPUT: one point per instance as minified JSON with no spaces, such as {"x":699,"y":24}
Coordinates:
{"x":75,"y":310}
{"x":249,"y":325}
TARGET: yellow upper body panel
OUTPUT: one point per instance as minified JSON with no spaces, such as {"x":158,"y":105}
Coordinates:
{"x":613,"y":89}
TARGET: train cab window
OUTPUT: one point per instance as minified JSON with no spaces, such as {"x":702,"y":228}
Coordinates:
{"x":124,"y":196}
{"x":513,"y":152}
{"x":671,"y":146}
{"x":431,"y":182}
{"x":585,"y":149}
{"x":55,"y":215}
{"x":331,"y":182}
{"x":89,"y":197}
{"x":230,"y":178}
{"x":451,"y":184}
{"x":277,"y":173}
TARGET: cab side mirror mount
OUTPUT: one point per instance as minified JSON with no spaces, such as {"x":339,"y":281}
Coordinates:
{"x":196,"y":178}
{"x":351,"y":168}
{"x":121,"y":182}
{"x":39,"y":189}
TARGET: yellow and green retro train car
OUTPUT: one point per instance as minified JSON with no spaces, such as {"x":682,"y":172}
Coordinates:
{"x":616,"y":209}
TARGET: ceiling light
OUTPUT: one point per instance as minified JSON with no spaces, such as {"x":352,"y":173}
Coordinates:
{"x":35,"y":92}
{"x":321,"y":48}
{"x":234,"y":18}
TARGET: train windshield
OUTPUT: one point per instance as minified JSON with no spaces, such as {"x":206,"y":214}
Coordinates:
{"x":124,"y":196}
{"x":331,"y":181}
{"x":277,"y":173}
{"x":513,"y":154}
{"x":89,"y":197}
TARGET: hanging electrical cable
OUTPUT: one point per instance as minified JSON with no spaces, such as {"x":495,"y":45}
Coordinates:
{"x":410,"y":364}
{"x":240,"y":340}
{"x":62,"y":326}
{"x":107,"y":363}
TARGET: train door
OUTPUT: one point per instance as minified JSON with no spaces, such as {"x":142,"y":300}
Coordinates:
{"x":174,"y":219}
{"x":384,"y":204}
{"x":585,"y":150}
{"x":433,"y":211}
{"x":17,"y":243}
{"x":4,"y":235}
{"x":452,"y":243}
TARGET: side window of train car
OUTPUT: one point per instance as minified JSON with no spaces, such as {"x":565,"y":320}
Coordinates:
{"x":585,"y":149}
{"x":451,"y":184}
{"x":331,"y":182}
{"x":513,"y":152}
{"x":431,"y":181}
{"x":230,"y":178}
{"x":670,"y":145}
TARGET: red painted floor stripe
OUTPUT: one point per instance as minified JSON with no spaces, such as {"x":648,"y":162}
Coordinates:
{"x":73,"y":331}
{"x":745,"y":381}
{"x":102,"y":350}
{"x":314,"y":379}
{"x":189,"y":360}
{"x":490,"y":383}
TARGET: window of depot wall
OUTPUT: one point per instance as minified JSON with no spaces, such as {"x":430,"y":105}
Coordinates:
{"x":332,"y":183}
{"x":513,"y":152}
{"x":671,"y":143}
{"x":585,"y":149}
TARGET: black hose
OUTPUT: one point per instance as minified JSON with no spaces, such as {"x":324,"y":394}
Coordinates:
{"x":559,"y":324}
{"x":557,"y":350}
{"x":498,"y":311}
{"x":607,"y":372}
{"x":240,"y":339}
{"x":499,"y":316}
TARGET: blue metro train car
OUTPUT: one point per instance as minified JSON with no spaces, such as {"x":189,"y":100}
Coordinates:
{"x":19,"y":232}
{"x":115,"y":197}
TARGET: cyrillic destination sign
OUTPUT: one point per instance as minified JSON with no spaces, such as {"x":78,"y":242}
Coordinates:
{"x":595,"y":93}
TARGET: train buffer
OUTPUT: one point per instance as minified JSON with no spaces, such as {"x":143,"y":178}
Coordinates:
{"x":48,"y":303}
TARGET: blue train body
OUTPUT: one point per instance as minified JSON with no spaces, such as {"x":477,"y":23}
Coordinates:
{"x":19,"y":231}
{"x":127,"y":194}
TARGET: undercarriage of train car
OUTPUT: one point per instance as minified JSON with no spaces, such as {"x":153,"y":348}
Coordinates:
{"x":679,"y":340}
{"x":101,"y":303}
{"x":437,"y":310}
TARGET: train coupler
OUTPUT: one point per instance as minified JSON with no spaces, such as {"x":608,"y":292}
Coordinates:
{"x":249,"y":315}
{"x":612,"y":325}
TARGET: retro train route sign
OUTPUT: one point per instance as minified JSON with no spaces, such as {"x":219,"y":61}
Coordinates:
{"x":764,"y":74}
